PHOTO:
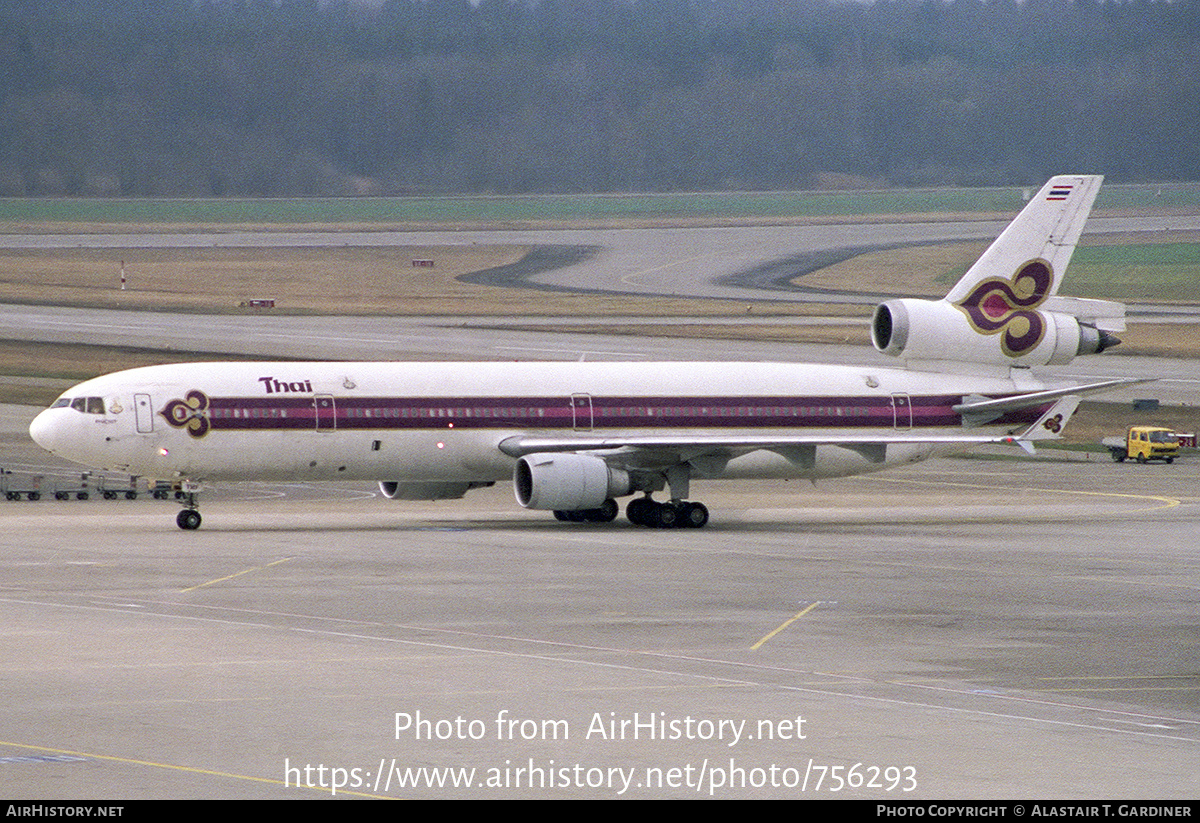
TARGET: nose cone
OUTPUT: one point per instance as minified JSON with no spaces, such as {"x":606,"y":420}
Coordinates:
{"x":45,"y":430}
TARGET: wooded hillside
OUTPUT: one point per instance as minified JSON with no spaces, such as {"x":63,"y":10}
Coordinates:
{"x":181,"y":98}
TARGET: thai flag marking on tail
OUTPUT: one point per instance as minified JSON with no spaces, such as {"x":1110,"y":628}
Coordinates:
{"x":1059,"y":193}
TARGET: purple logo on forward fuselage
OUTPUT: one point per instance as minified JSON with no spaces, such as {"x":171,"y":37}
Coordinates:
{"x":191,"y":413}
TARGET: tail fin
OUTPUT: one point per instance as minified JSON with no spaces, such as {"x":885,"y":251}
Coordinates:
{"x":1047,"y":229}
{"x":1005,"y":310}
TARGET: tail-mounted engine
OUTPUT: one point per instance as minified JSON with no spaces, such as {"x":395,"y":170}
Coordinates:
{"x":1004,"y":322}
{"x":936,"y":330}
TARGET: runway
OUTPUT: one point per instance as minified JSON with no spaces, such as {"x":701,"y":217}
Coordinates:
{"x":983,"y":628}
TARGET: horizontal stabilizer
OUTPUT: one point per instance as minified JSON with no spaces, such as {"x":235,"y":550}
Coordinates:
{"x":1105,"y":315}
{"x":1050,"y":425}
{"x":977,"y":411}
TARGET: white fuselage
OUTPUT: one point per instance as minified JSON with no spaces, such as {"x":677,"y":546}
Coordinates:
{"x":446,"y":421}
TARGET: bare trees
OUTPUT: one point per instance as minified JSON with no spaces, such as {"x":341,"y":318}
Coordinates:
{"x":297,"y":97}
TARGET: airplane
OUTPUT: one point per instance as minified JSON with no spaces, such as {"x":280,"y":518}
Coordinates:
{"x":572,"y":438}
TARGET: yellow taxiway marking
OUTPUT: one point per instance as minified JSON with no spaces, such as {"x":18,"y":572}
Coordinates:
{"x":171,"y":766}
{"x":785,"y":624}
{"x":238,"y":574}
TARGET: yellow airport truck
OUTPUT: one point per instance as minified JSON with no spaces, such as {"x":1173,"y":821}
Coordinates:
{"x":1142,"y":443}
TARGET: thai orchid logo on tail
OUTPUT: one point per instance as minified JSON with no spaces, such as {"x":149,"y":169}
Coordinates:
{"x":1008,"y":307}
{"x":1008,"y":298}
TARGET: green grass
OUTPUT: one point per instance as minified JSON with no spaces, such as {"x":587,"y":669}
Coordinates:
{"x":565,"y":207}
{"x":1164,"y":271}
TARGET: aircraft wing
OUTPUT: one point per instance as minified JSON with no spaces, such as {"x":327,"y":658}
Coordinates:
{"x":668,"y":449}
{"x":520,"y":445}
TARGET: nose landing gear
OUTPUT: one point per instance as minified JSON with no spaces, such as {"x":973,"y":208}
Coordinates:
{"x":189,"y":518}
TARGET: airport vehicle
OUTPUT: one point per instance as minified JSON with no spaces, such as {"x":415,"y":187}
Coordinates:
{"x":1143,"y":443}
{"x":575,"y":437}
{"x":32,"y":490}
{"x":81,"y":491}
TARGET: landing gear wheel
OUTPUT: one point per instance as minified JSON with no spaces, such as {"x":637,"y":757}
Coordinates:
{"x":640,"y":510}
{"x":188,"y":519}
{"x":695,"y":515}
{"x":667,"y":516}
{"x":607,"y":512}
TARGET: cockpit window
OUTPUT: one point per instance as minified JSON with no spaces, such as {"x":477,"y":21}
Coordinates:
{"x":87,"y":405}
{"x":61,"y":402}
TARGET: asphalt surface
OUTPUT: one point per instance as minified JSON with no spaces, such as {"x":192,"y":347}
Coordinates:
{"x":960,"y":629}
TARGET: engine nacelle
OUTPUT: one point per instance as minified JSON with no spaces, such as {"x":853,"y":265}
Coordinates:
{"x":427,"y":490}
{"x":998,"y":334}
{"x":567,"y":482}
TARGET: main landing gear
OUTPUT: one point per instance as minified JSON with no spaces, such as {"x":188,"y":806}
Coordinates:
{"x":642,"y":511}
{"x":674,"y":514}
{"x":605,"y":514}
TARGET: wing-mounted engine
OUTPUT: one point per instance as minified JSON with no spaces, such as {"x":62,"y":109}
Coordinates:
{"x":567,"y":481}
{"x":1004,"y":311}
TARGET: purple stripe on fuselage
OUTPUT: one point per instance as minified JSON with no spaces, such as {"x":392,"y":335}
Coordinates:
{"x":583,"y":412}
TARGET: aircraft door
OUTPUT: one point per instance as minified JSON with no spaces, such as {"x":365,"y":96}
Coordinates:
{"x":325,"y":411}
{"x":901,"y":412}
{"x":143,"y":412}
{"x":581,"y":412}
